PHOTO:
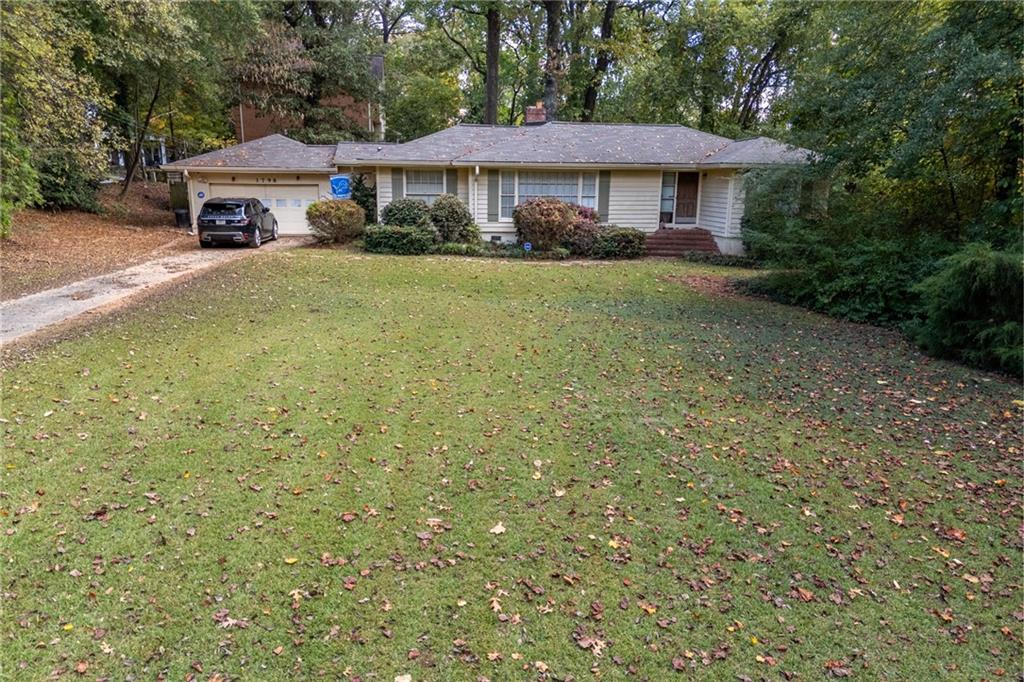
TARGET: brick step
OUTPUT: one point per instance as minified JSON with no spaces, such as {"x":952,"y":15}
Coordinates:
{"x":675,"y":243}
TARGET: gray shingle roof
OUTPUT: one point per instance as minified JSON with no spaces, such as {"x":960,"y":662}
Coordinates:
{"x":602,"y":143}
{"x":759,"y":151}
{"x":443,"y":146}
{"x":273,"y":151}
{"x":592,"y":144}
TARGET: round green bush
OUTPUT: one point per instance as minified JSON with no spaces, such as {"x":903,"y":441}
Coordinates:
{"x":619,"y":242}
{"x":406,"y":213}
{"x":544,"y":222}
{"x":335,"y":220}
{"x":452,"y":219}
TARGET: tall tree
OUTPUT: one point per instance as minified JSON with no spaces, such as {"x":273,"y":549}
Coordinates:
{"x":552,"y":57}
{"x":603,"y":60}
{"x":493,"y":61}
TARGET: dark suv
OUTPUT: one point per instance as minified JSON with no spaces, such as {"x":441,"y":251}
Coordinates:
{"x":235,"y":221}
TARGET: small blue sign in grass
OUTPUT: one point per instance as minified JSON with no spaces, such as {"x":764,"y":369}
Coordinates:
{"x":341,"y":187}
{"x":528,"y":246}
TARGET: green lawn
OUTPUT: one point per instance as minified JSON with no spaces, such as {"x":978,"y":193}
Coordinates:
{"x":295,"y":469}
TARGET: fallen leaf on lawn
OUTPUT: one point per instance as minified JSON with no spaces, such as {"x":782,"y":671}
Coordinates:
{"x":498,"y":529}
{"x":291,"y":560}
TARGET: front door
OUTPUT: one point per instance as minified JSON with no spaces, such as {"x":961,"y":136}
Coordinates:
{"x":686,"y":198}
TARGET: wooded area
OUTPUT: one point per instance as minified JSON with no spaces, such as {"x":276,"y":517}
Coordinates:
{"x":915,"y":108}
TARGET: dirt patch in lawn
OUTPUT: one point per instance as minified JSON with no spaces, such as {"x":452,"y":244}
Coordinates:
{"x":48,"y":249}
{"x":713,"y":285}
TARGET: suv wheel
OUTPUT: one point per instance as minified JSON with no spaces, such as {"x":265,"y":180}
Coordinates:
{"x":257,"y":238}
{"x":273,"y":233}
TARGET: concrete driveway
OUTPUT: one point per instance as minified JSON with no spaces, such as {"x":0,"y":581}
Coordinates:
{"x":28,"y":314}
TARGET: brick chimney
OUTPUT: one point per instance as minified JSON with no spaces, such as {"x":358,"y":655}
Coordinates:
{"x":535,"y":114}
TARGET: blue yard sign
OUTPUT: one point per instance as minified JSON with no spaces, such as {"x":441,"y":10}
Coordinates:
{"x":341,"y":187}
{"x":528,"y":246}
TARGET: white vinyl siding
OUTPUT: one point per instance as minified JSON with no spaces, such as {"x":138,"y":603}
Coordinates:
{"x":635,"y":199}
{"x":384,"y":191}
{"x":718,"y":206}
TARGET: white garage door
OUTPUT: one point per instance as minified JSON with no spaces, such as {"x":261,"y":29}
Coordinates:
{"x":287,"y":202}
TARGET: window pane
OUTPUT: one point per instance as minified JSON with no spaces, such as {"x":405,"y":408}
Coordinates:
{"x":424,"y":182}
{"x":507,"y":204}
{"x":563,"y":186}
{"x":667,"y":205}
{"x":668,"y":179}
{"x":589,"y":184}
{"x":508,"y":183}
{"x":296,"y":203}
{"x":589,"y":202}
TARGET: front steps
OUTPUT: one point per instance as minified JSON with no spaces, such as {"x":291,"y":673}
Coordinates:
{"x":672,"y":243}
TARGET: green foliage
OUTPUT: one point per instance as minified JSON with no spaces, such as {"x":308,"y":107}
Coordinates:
{"x":19,"y":185}
{"x":406,"y":213}
{"x":619,"y":242}
{"x":543,"y":222}
{"x":365,"y":195}
{"x":399,"y":239}
{"x":720,"y":259}
{"x":972,"y":309}
{"x":63,"y":184}
{"x":452,"y":220}
{"x":335,"y":221}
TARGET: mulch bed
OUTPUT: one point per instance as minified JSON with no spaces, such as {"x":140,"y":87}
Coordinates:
{"x":52,"y":248}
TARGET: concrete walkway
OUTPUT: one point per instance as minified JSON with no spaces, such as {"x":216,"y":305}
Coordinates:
{"x":31,"y":313}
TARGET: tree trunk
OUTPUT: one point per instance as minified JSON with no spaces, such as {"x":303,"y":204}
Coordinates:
{"x":140,"y":139}
{"x":603,"y":60}
{"x":493,"y":56}
{"x":552,"y":65}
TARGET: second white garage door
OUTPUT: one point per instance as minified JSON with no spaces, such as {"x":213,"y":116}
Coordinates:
{"x":287,"y":202}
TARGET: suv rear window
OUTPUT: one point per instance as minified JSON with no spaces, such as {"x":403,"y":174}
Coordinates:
{"x":221,"y":210}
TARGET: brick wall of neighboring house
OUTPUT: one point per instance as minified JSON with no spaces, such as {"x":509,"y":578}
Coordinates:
{"x":255,"y":124}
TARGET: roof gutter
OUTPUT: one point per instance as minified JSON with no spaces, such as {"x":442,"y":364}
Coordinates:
{"x":246,"y":169}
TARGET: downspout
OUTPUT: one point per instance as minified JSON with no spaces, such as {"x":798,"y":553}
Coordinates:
{"x":476,"y":193}
{"x":241,"y":121}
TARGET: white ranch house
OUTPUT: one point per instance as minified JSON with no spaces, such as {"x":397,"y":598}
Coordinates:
{"x":651,"y":177}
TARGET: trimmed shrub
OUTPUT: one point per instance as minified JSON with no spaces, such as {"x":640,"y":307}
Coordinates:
{"x":972,"y":309}
{"x":461,"y":249}
{"x":586,"y":214}
{"x":544,"y":222}
{"x":366,"y":196}
{"x":398,"y":239}
{"x":584,"y":230}
{"x":452,"y":219}
{"x":335,"y":221}
{"x":406,"y":213}
{"x":619,"y":242}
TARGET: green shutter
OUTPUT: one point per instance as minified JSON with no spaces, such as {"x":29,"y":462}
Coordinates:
{"x":493,"y":184}
{"x":604,"y":184}
{"x":451,"y":181}
{"x":397,"y":184}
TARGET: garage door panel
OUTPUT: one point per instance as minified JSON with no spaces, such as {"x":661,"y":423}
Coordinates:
{"x":288,"y":203}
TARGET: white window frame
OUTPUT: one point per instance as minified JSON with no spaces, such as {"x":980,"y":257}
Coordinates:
{"x":405,"y":182}
{"x":579,"y":188}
